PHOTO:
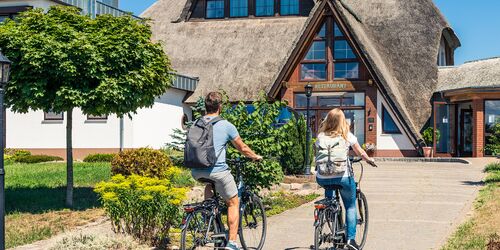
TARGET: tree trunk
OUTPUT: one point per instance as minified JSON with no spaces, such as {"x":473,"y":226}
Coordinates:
{"x":69,"y":159}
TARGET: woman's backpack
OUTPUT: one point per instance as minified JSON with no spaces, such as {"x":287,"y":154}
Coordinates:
{"x":332,"y":155}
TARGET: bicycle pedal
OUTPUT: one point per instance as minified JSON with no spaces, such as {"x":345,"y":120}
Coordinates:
{"x":219,"y":236}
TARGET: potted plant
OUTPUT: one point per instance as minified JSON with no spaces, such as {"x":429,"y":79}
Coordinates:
{"x":370,"y":148}
{"x":428,"y":137}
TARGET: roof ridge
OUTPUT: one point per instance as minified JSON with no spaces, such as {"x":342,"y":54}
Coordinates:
{"x":483,"y":59}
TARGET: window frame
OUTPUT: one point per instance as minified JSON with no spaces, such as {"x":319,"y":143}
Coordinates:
{"x":389,"y":132}
{"x":330,"y":60}
{"x":260,"y":16}
{"x":97,"y":118}
{"x":46,"y":118}
{"x":224,"y":15}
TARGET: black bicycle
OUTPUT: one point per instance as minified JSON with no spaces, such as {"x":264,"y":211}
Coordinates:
{"x":203,"y":225}
{"x":329,"y":223}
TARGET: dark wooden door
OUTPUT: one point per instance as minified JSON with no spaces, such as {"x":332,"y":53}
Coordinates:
{"x":466,"y":130}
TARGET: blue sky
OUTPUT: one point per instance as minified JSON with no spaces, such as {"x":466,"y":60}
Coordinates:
{"x":476,"y":22}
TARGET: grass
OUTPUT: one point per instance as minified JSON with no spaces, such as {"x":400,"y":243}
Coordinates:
{"x":279,"y":202}
{"x":483,"y":228}
{"x":35,"y":199}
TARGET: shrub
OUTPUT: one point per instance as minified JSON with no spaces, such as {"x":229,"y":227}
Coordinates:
{"x":293,"y":157}
{"x":428,"y":136}
{"x":31,"y":159}
{"x":180,"y":177}
{"x":176,"y":156}
{"x":493,"y":140}
{"x":16,"y":152}
{"x":143,"y":207}
{"x":144,"y":162}
{"x":99,"y":158}
{"x":258,"y":130}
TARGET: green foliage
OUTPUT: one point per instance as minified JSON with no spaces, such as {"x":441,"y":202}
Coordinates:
{"x":493,"y":140}
{"x":99,"y":158}
{"x":143,"y":161}
{"x":258,"y":130}
{"x":293,"y":157}
{"x":63,"y":60}
{"x":279,"y":202}
{"x":143,"y":207}
{"x":31,"y":159}
{"x":176,"y":156}
{"x":180,"y":177}
{"x":428,"y":136}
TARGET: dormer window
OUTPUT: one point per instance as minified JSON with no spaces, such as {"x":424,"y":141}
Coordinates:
{"x":238,"y":8}
{"x":215,"y":9}
{"x":289,"y":7}
{"x":442,"y":54}
{"x":264,"y":7}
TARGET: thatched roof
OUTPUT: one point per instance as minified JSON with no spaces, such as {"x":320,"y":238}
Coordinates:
{"x":241,"y":56}
{"x":399,"y":39}
{"x":476,"y":74}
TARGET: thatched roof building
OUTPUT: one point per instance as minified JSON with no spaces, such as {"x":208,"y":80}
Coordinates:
{"x":471,"y":75}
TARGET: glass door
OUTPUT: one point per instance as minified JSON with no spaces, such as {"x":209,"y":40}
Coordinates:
{"x":466,"y":125}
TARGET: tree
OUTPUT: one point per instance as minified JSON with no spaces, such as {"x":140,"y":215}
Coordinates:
{"x":63,"y":60}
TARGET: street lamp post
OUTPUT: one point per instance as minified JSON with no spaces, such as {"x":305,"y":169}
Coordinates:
{"x":4,"y":78}
{"x":309,"y":90}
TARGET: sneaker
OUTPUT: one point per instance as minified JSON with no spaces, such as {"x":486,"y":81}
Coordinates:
{"x":231,"y":245}
{"x":352,"y":245}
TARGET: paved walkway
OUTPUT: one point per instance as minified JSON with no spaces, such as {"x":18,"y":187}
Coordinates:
{"x":411,"y":205}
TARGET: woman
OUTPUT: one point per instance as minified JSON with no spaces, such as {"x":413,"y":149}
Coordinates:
{"x":333,"y":143}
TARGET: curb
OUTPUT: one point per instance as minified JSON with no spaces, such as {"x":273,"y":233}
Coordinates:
{"x":423,"y":160}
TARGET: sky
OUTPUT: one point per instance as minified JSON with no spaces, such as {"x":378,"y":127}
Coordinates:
{"x":476,"y":22}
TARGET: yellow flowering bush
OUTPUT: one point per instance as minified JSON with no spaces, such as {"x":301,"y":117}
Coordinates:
{"x":143,"y":207}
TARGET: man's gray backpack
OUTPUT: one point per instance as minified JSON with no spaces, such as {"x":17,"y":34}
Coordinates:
{"x":199,"y":150}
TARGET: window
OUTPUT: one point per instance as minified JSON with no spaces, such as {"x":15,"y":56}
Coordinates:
{"x":491,"y":119}
{"x":264,"y":7}
{"x":345,"y":64}
{"x":289,"y":7}
{"x":347,"y":70}
{"x":388,"y":124}
{"x":215,"y":8}
{"x":343,"y":50}
{"x":442,"y":54}
{"x":52,"y":116}
{"x":97,"y":117}
{"x":238,"y":8}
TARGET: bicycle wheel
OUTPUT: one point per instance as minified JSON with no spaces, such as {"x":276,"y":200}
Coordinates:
{"x":198,"y":232}
{"x":325,"y":230}
{"x":362,"y":225}
{"x":253,"y":223}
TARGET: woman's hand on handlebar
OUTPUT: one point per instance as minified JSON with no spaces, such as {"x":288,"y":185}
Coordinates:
{"x":372,"y":163}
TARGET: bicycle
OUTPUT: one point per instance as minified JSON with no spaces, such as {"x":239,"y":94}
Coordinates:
{"x":203,"y":227}
{"x":328,"y":212}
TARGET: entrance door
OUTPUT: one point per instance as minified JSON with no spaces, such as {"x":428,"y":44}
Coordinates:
{"x":466,"y":126}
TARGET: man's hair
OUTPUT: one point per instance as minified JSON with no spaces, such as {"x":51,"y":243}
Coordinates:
{"x":213,"y":101}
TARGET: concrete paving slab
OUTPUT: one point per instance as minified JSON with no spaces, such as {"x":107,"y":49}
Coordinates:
{"x":412,"y":206}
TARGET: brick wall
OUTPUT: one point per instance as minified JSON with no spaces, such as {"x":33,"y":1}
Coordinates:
{"x":478,"y":128}
{"x":371,"y":113}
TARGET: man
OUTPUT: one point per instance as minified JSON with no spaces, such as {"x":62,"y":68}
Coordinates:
{"x":225,"y":185}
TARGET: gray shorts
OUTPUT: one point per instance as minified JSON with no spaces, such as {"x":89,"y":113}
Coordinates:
{"x":224,"y":182}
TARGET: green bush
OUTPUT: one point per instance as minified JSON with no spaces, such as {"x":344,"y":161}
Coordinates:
{"x":99,"y":158}
{"x":258,"y":130}
{"x":143,"y":207}
{"x":293,"y":157}
{"x":31,"y":159}
{"x":16,"y":152}
{"x":176,"y":156}
{"x":493,"y":140}
{"x":143,"y":161}
{"x":180,"y":177}
{"x":428,"y":136}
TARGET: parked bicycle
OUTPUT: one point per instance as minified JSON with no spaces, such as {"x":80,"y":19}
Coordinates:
{"x":329,"y":223}
{"x":203,"y":226}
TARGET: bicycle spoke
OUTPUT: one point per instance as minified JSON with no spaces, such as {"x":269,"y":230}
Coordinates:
{"x":253,"y":227}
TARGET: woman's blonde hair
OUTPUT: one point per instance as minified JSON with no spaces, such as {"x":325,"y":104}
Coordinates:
{"x":335,"y":124}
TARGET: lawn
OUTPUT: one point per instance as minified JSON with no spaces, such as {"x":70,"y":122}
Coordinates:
{"x":35,"y":199}
{"x":484,"y":226}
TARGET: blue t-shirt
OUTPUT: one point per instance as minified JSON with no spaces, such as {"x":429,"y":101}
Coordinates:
{"x":224,"y":133}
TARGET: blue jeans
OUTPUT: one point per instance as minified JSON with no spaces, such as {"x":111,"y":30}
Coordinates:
{"x":348,"y":194}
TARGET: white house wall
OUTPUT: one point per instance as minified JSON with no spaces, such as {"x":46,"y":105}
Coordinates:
{"x":35,"y":3}
{"x":390,"y":141}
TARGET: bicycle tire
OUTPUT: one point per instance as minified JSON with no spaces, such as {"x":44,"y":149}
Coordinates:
{"x":196,"y":217}
{"x":252,"y":215}
{"x":325,"y":241}
{"x":363,"y":219}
